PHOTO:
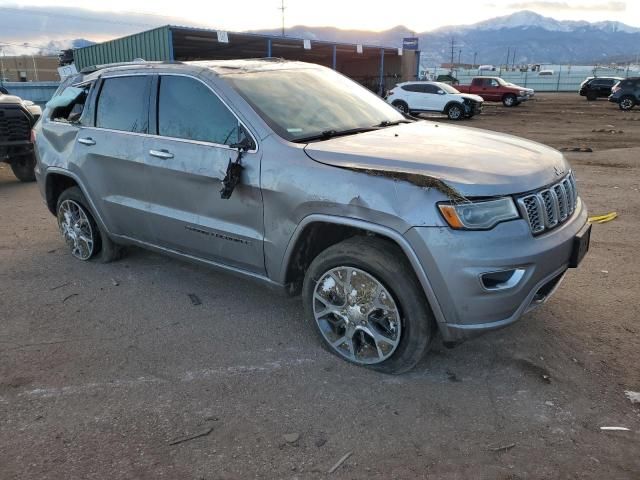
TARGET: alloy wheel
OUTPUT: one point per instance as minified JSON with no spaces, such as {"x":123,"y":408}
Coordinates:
{"x":357,"y":315}
{"x":76,"y":229}
{"x":455,"y":112}
{"x":626,"y":104}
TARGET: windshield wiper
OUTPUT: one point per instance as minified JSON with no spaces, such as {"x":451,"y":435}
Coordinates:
{"x":327,"y":134}
{"x":387,"y":123}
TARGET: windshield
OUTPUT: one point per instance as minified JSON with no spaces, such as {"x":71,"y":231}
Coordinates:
{"x":306,"y":102}
{"x":447,"y":88}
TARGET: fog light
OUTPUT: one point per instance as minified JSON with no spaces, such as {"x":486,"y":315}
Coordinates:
{"x":503,"y":279}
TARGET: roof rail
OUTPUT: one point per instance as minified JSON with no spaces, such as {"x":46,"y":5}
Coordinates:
{"x":137,"y":61}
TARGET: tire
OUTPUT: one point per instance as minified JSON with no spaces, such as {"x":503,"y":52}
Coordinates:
{"x":401,"y":105}
{"x":509,"y":100}
{"x":455,"y":111}
{"x":379,"y":263}
{"x":83,"y":236}
{"x":627,"y":103}
{"x":23,"y":167}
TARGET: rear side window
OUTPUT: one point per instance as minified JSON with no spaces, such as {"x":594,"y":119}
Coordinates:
{"x":188,"y":109}
{"x":412,"y":87}
{"x":123,"y":103}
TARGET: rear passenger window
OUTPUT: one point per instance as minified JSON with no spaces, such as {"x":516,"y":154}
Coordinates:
{"x":412,"y":87}
{"x":189,"y":109}
{"x":123,"y":104}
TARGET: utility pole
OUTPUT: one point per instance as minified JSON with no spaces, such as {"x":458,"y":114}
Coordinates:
{"x":453,"y":46}
{"x":282,"y":9}
{"x":1,"y":66}
{"x":459,"y":55}
{"x":508,"y":56}
{"x":475,"y":55}
{"x":513,"y":63}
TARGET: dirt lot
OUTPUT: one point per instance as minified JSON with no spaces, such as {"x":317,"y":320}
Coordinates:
{"x":103,"y":367}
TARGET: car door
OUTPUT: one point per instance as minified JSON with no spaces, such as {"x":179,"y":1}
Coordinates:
{"x":188,"y":156}
{"x":109,"y":157}
{"x":413,"y":96}
{"x":605,"y":91}
{"x":434,"y":102}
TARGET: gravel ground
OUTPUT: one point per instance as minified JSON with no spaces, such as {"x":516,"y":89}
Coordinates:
{"x":106,"y":370}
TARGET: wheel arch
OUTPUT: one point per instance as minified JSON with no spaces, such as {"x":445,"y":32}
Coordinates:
{"x":450,"y":103}
{"x":302,"y":249}
{"x":56,"y":181}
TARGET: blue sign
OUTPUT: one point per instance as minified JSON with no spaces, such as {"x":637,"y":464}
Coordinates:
{"x":410,"y":43}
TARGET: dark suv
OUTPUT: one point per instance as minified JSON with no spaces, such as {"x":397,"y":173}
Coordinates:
{"x":598,"y":87}
{"x":17,"y":117}
{"x":626,"y":93}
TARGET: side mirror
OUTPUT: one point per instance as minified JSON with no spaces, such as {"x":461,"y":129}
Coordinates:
{"x":243,"y":142}
{"x":244,"y":145}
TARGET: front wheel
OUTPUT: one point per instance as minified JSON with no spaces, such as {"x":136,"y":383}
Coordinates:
{"x":509,"y":100}
{"x":627,"y":103}
{"x":455,"y":112}
{"x":23,"y":168}
{"x":366,"y":305}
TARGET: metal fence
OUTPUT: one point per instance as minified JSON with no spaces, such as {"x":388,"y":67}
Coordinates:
{"x":37,"y":92}
{"x":563,"y":79}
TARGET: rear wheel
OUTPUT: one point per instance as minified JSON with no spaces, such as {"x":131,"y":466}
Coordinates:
{"x":401,"y":105}
{"x":509,"y":100}
{"x":591,"y":96}
{"x":80,"y":231}
{"x":627,"y":102}
{"x":23,"y":168}
{"x":455,"y":111}
{"x":366,"y":305}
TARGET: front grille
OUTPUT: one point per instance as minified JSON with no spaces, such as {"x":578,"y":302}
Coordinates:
{"x":14,"y":126}
{"x":549,"y":207}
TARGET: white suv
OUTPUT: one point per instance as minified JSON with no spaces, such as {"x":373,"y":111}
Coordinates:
{"x":418,"y":97}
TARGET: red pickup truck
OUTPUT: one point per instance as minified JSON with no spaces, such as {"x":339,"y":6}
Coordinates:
{"x":495,"y":89}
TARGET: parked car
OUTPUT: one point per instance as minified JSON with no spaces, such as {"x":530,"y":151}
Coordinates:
{"x":495,"y":89}
{"x":420,"y":97}
{"x":597,"y":87}
{"x":626,"y":93}
{"x":17,"y":117}
{"x":293,"y":175}
{"x":448,"y":79}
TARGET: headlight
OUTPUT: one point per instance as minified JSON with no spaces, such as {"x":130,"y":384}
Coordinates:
{"x":522,"y":93}
{"x":481,"y":215}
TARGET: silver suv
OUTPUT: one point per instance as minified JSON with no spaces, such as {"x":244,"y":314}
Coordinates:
{"x":289,"y":173}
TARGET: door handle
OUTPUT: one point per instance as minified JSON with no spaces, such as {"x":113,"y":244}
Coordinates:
{"x":87,"y":141}
{"x":163,"y":154}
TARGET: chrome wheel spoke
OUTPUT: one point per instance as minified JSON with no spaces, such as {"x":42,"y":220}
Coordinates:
{"x":76,"y":229}
{"x":357,"y":315}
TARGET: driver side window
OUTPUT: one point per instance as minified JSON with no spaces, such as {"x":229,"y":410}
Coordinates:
{"x":188,"y":109}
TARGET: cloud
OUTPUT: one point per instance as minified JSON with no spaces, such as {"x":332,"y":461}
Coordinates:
{"x":37,"y":26}
{"x":566,"y":6}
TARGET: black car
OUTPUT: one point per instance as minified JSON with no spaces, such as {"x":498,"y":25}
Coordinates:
{"x":598,"y":87}
{"x":626,"y":93}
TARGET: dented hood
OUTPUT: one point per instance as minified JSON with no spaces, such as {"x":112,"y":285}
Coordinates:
{"x":474,"y":162}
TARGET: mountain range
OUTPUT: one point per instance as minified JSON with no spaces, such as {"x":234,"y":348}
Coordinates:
{"x":527,"y":36}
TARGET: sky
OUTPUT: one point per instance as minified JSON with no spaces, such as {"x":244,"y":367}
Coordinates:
{"x":41,"y":21}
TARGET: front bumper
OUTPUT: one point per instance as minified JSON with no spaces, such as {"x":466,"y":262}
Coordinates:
{"x":455,"y":260}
